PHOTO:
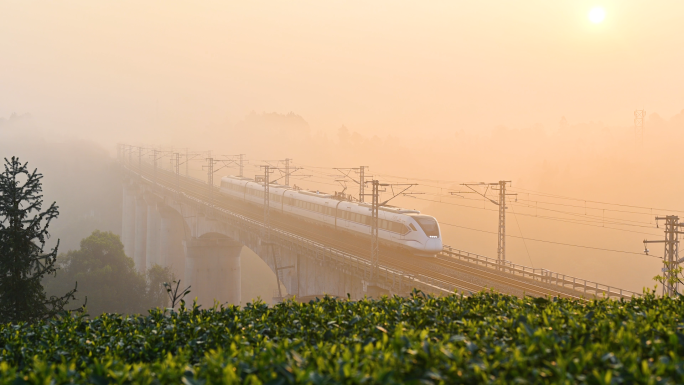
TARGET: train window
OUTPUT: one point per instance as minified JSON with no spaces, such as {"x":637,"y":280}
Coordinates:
{"x":412,"y":227}
{"x":428,"y":224}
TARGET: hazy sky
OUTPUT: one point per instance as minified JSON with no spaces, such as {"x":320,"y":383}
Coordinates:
{"x":377,"y":67}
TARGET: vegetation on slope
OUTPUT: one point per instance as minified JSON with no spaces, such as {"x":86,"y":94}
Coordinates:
{"x":107,"y":277}
{"x":486,"y":338}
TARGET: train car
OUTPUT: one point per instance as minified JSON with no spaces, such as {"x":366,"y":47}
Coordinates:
{"x":400,"y":228}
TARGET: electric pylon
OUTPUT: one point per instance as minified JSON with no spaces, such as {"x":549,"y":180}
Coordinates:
{"x":362,"y":178}
{"x":671,"y":258}
{"x":501,"y":187}
{"x":362,"y":182}
{"x":210,"y":177}
{"x":375,"y":241}
{"x":375,"y":228}
{"x":287,"y":171}
{"x":266,"y":235}
{"x":639,"y":118}
{"x":501,"y":250}
{"x":177,"y":169}
{"x":154,"y":155}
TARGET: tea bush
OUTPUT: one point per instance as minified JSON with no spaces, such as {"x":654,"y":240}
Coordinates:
{"x":485,"y":338}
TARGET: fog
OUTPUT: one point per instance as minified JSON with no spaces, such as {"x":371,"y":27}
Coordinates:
{"x":438,"y":94}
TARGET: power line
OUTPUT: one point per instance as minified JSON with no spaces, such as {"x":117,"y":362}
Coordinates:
{"x":551,"y":242}
{"x":523,"y":238}
{"x":533,"y":192}
{"x":541,"y":217}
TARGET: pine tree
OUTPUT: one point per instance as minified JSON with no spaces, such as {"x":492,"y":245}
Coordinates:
{"x":23,"y":233}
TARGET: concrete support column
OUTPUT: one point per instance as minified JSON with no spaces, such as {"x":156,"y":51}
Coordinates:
{"x":212,"y":268}
{"x":139,"y":256}
{"x":128,"y":221}
{"x":301,"y":276}
{"x":310,"y":277}
{"x":171,"y":253}
{"x":153,"y":220}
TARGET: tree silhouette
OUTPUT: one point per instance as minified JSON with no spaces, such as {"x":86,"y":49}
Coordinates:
{"x":23,"y":233}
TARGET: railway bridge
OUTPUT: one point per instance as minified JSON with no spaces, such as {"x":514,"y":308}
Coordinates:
{"x":184,"y":223}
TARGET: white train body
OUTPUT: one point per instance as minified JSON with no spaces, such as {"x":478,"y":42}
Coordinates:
{"x":400,"y":228}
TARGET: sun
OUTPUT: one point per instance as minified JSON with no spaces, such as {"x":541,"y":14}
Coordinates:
{"x":596,"y":15}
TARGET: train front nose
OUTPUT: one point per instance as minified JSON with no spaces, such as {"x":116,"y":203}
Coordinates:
{"x":433,"y":245}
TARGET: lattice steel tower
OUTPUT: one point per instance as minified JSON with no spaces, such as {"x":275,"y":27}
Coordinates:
{"x":375,"y":242}
{"x":639,"y":118}
{"x":671,"y":258}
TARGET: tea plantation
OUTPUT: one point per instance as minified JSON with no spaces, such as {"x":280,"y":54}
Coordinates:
{"x":486,"y":338}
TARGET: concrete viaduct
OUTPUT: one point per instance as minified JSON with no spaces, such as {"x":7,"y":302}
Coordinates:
{"x":179,"y":222}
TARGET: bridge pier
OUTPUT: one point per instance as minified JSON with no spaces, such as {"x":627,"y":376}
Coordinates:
{"x":140,"y":233}
{"x":153,"y":224}
{"x":171,"y":253}
{"x":212,"y":268}
{"x":128,"y":220}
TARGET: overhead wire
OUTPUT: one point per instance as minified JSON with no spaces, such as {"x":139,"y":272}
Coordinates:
{"x":523,"y":238}
{"x":540,"y":217}
{"x":550,"y":242}
{"x":532,"y":192}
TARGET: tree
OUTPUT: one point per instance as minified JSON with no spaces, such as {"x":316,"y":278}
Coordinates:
{"x":675,"y":278}
{"x":23,"y":233}
{"x":108,"y":277}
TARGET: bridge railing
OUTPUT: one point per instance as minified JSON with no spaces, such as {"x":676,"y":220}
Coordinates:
{"x":542,"y":275}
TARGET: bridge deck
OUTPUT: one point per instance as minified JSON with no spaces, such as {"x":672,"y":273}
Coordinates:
{"x":451,"y":270}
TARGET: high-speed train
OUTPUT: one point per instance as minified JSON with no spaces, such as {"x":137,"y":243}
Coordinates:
{"x":397,"y":227}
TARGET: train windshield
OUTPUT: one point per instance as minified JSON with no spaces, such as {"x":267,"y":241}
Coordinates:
{"x":429,"y":225}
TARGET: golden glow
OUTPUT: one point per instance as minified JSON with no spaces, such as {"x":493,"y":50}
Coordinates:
{"x":597,"y":14}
